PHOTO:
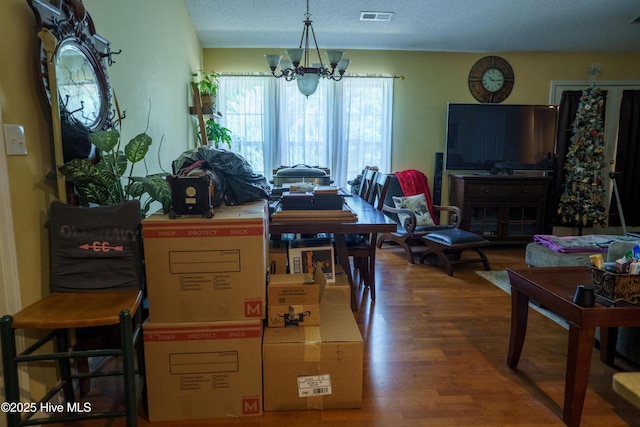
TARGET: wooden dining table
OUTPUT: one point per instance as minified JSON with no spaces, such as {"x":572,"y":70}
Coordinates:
{"x":367,"y":220}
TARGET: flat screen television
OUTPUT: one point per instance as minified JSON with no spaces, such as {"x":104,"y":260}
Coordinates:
{"x":500,"y":137}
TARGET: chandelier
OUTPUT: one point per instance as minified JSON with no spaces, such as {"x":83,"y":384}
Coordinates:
{"x":298,"y":68}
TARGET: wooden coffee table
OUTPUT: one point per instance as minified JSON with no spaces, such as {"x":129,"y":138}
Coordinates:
{"x":554,"y":288}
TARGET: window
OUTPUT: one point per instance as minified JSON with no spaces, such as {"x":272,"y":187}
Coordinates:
{"x":243,"y":104}
{"x":345,"y":125}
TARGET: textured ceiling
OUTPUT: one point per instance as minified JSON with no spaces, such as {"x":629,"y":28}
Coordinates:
{"x":426,"y":25}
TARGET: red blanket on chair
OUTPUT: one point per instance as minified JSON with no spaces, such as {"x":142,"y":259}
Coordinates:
{"x":415,"y":182}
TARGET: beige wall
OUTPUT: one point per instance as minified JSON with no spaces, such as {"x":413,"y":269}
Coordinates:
{"x":159,"y":52}
{"x":435,"y":78}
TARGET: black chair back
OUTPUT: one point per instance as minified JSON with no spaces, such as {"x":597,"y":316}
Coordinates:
{"x":96,"y":249}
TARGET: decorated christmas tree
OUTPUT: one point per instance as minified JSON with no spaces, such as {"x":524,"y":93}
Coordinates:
{"x":583,"y":200}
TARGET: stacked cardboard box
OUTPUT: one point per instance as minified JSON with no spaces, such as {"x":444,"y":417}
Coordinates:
{"x":318,"y":363}
{"x":315,"y":367}
{"x":201,"y":269}
{"x":294,"y":299}
{"x":200,"y":370}
{"x":341,"y":284}
{"x":206,"y":292}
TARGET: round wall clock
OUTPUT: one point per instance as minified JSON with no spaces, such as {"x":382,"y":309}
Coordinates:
{"x":491,"y":79}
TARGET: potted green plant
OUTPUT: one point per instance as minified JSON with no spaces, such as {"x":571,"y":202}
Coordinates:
{"x":111,"y":180}
{"x":217,"y":134}
{"x":207,"y":84}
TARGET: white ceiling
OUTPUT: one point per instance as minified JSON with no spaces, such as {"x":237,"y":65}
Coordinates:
{"x":425,"y":25}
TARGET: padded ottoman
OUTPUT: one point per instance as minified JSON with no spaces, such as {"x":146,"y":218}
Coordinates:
{"x":538,"y":255}
{"x":448,"y":245}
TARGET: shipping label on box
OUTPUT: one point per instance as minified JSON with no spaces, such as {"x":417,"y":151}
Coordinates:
{"x":203,"y":369}
{"x":314,"y":385}
{"x":207,"y":269}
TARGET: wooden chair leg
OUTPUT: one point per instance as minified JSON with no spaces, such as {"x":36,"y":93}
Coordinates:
{"x":10,"y":368}
{"x":362,"y":271}
{"x":446,"y":263}
{"x":483,"y":257}
{"x":408,"y":251}
{"x":371,"y":276}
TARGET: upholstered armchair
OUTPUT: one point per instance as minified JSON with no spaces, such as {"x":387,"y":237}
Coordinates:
{"x":415,"y":216}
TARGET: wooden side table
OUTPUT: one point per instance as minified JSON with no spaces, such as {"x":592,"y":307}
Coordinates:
{"x":554,"y":288}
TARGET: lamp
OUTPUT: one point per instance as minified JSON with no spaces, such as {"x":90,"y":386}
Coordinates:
{"x":297,"y":67}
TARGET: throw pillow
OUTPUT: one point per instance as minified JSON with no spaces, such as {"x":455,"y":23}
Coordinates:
{"x":417,"y":204}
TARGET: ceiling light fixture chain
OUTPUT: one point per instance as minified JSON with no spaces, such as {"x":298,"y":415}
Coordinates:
{"x":298,"y":66}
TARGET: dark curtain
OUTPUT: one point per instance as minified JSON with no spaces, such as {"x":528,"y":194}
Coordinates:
{"x":566,"y":116}
{"x":627,"y":157}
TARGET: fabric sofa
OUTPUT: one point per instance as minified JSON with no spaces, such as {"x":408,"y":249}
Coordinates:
{"x":538,"y":255}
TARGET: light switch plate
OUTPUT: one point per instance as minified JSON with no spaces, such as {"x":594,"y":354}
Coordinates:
{"x":14,"y":140}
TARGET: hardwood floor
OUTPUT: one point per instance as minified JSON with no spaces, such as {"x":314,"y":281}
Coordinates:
{"x":435,"y":351}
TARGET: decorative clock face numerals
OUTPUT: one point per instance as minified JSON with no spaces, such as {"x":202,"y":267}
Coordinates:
{"x":491,"y":79}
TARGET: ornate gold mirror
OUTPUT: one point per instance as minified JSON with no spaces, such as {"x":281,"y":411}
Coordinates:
{"x":79,"y":56}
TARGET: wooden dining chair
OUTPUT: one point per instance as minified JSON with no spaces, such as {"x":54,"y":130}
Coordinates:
{"x":357,"y":244}
{"x":366,"y":184}
{"x":96,"y":281}
{"x":379,"y":190}
{"x":364,"y":253}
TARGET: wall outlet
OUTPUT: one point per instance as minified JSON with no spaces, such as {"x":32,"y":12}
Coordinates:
{"x":15,"y":143}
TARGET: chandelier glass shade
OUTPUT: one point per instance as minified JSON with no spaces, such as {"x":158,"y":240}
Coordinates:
{"x":298,"y":67}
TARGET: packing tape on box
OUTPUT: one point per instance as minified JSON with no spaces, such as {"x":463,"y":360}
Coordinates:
{"x":312,"y":343}
{"x":315,"y":402}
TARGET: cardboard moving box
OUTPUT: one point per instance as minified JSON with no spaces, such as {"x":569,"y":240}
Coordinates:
{"x":315,"y":367}
{"x":294,"y":299}
{"x":203,"y":369}
{"x":286,"y":289}
{"x":341,"y":284}
{"x":279,"y":316}
{"x":201,"y":269}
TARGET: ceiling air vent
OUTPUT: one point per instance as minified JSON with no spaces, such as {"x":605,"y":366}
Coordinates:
{"x":376,"y":16}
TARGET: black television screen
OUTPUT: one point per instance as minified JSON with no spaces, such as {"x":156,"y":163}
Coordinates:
{"x":500,"y":136}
